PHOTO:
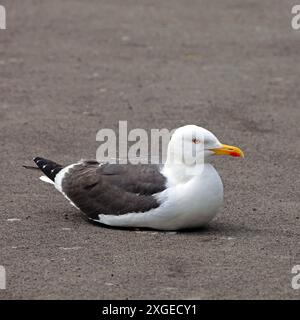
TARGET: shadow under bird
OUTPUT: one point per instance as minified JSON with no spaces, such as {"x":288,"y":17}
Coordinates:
{"x":186,"y":192}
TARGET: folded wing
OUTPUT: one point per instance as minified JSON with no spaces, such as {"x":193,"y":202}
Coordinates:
{"x":102,"y":188}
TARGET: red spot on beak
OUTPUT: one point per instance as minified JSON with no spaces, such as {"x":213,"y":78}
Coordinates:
{"x":235,"y":154}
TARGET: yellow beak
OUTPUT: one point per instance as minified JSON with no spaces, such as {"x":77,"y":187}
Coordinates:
{"x":229,"y":151}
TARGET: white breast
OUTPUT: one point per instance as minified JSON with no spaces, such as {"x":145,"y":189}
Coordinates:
{"x":188,"y":205}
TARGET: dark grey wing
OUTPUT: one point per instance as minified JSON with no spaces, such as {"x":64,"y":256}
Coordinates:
{"x":141,"y":179}
{"x":113,"y":189}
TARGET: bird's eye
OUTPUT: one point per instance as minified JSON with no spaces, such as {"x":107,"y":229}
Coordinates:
{"x":196,"y":141}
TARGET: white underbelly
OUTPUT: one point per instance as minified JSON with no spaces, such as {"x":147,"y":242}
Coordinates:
{"x":189,"y":205}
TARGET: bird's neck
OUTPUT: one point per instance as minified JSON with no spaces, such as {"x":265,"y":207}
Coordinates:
{"x":180,"y":173}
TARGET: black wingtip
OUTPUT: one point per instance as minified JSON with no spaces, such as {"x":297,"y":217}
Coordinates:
{"x":29,"y":167}
{"x":48,"y":167}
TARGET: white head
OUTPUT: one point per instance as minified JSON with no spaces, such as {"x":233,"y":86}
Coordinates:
{"x":191,"y":146}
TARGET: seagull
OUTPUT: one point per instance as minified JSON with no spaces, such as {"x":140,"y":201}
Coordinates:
{"x":186,"y":192}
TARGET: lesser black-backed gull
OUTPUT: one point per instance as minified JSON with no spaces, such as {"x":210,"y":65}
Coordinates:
{"x":174,"y":196}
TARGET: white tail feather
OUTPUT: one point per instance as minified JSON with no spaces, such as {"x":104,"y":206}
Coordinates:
{"x":46,"y":179}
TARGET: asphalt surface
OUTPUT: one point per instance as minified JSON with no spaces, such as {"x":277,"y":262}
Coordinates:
{"x":69,"y":68}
